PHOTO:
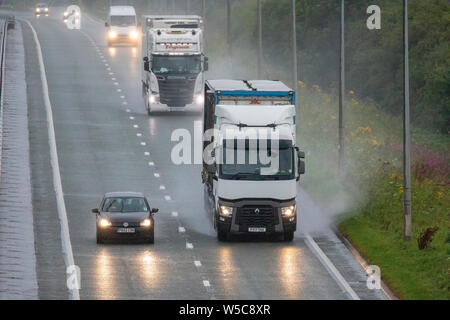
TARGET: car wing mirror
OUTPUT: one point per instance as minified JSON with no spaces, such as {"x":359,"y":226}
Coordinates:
{"x":106,"y":24}
{"x":96,"y":211}
{"x":155,"y":210}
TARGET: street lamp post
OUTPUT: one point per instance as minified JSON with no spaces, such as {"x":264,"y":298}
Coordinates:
{"x":294,"y":46}
{"x":407,"y":225}
{"x":260,"y":56}
{"x":341,"y":87}
{"x":229,"y":40}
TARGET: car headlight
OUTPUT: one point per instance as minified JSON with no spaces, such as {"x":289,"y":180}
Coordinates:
{"x":112,"y":34}
{"x":38,"y":10}
{"x":66,"y":14}
{"x":225,"y":211}
{"x":288,"y":212}
{"x":134,"y":34}
{"x":104,"y":223}
{"x":46,"y":9}
{"x":146,"y":223}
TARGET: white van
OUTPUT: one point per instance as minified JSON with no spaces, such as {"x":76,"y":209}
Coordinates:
{"x":122,"y":25}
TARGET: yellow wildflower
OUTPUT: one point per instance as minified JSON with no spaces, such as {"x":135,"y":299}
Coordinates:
{"x":351,"y":92}
{"x":400,"y":190}
{"x":393,"y":176}
{"x":374,"y":142}
{"x":440,"y":194}
{"x":354,"y":101}
{"x":301,"y":84}
{"x":333,"y":117}
{"x":316,"y":87}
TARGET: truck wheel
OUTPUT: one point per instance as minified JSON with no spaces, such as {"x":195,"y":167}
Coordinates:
{"x":223,"y":236}
{"x":149,"y":109}
{"x":289,"y":236}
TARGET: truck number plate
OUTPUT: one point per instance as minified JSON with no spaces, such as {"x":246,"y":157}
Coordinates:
{"x":257,"y":230}
{"x":126,"y":230}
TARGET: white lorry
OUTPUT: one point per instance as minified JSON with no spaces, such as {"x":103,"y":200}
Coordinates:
{"x":173,"y":61}
{"x":122,"y":26}
{"x":251,"y":163}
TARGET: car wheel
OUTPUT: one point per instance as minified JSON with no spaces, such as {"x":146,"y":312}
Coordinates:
{"x":289,"y":236}
{"x":99,"y":237}
{"x":151,"y":239}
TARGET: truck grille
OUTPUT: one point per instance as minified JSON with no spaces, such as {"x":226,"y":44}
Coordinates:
{"x":256,"y":216}
{"x":176,"y":92}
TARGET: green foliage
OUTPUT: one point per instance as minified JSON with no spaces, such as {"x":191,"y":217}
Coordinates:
{"x":377,"y":233}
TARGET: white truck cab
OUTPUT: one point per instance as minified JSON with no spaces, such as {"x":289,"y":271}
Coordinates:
{"x":173,"y":61}
{"x":251,"y":160}
{"x":122,"y":26}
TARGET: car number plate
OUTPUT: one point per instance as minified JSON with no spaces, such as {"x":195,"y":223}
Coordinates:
{"x":126,"y":230}
{"x":257,"y":230}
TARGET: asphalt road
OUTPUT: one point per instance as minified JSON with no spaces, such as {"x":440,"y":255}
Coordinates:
{"x":97,"y":133}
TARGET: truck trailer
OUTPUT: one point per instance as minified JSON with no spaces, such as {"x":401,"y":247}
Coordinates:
{"x":173,"y":61}
{"x":251,"y":163}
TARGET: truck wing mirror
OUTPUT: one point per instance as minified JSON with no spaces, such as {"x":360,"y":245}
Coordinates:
{"x":96,"y":211}
{"x":206,"y":64}
{"x":301,"y":154}
{"x":301,"y":167}
{"x":146,"y":64}
{"x":211,"y":168}
{"x":106,"y":24}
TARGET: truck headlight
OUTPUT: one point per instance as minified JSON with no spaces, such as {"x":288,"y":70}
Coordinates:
{"x":112,"y":34}
{"x":152,"y":99}
{"x":288,"y":212}
{"x":225,"y":211}
{"x":199,"y":99}
{"x":134,"y":34}
{"x":38,"y":10}
{"x":146,"y":223}
{"x":46,"y":9}
{"x":104,"y":223}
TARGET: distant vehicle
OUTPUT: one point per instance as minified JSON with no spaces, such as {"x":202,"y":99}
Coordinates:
{"x":122,"y":26}
{"x":251,"y":176}
{"x":41,"y":8}
{"x":67,"y":14}
{"x":125,"y":215}
{"x":173,"y":61}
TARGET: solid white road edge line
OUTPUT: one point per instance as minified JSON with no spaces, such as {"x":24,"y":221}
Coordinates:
{"x":314,"y":247}
{"x":61,"y":206}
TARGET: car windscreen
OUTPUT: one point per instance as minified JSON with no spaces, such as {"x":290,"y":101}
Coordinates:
{"x":123,"y":21}
{"x":124,"y":204}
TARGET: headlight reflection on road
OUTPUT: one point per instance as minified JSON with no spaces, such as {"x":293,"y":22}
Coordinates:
{"x":134,"y":52}
{"x":290,"y":267}
{"x":227,"y":269}
{"x":148,"y":269}
{"x":112,"y":52}
{"x":104,"y":275}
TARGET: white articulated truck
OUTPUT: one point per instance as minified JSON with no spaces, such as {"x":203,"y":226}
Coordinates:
{"x":173,"y":61}
{"x":251,"y":163}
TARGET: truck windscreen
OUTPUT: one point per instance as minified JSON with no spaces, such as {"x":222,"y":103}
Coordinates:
{"x":176,"y":64}
{"x":250,"y":163}
{"x":123,"y":21}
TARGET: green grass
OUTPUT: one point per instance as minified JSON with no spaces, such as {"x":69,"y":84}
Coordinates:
{"x":370,"y":188}
{"x":377,"y":233}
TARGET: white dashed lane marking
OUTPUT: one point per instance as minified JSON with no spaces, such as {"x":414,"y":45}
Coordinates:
{"x":157,"y":175}
{"x":151,"y":164}
{"x":168,"y":198}
{"x":189,"y":245}
{"x":181,"y":230}
{"x":197,"y":263}
{"x":174,"y":214}
{"x":206,"y":283}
